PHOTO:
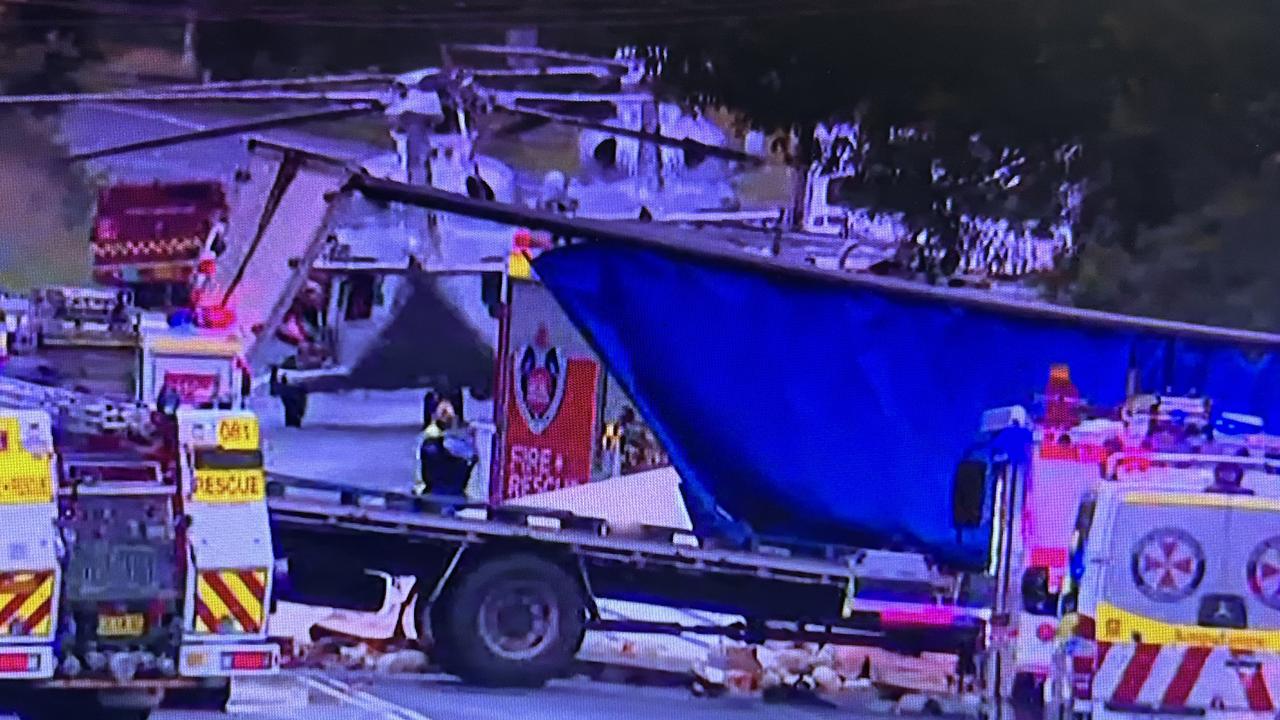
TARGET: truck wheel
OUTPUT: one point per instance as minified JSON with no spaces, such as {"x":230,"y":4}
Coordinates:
{"x":202,"y":698}
{"x":1026,"y":697}
{"x":512,"y":621}
{"x":47,"y":708}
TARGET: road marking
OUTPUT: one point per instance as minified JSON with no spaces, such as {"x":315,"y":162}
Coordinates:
{"x":145,"y":114}
{"x":344,"y":692}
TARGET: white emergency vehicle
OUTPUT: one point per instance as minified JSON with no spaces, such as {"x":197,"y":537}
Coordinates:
{"x":204,"y":366}
{"x":1059,"y":468}
{"x":139,"y":557}
{"x":1177,"y":608}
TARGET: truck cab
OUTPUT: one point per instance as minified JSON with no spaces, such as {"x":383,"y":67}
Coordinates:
{"x":1176,"y":610}
{"x":132,"y":571}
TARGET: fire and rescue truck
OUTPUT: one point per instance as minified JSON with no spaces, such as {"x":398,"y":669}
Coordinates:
{"x":1174,"y":604}
{"x":140,"y":554}
{"x":148,"y":237}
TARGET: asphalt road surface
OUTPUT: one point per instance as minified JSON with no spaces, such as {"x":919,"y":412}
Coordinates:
{"x":434,"y":697}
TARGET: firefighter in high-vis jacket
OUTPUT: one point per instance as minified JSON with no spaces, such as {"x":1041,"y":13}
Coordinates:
{"x":446,"y":454}
{"x":611,"y":448}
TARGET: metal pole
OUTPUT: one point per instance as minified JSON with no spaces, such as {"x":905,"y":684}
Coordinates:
{"x":497,"y":456}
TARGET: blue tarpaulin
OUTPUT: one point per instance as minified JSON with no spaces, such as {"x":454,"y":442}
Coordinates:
{"x":835,"y":410}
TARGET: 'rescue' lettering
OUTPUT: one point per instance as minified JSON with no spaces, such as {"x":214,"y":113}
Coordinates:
{"x":229,"y":485}
{"x":534,"y":470}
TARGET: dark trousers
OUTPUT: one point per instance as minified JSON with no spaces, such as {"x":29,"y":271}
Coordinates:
{"x":294,"y":408}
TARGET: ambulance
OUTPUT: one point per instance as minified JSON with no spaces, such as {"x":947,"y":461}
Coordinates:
{"x":137,"y":564}
{"x":1055,"y":461}
{"x":1176,"y":609}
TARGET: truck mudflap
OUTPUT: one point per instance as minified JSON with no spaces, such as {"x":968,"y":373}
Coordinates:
{"x":228,"y":659}
{"x":26,"y":662}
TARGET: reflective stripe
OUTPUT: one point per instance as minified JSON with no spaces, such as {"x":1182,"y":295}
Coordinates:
{"x":237,"y":595}
{"x":1178,"y":676}
{"x":26,"y":603}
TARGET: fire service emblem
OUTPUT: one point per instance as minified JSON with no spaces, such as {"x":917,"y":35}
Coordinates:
{"x":540,"y":382}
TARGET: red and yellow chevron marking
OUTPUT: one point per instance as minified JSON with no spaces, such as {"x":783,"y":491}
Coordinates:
{"x":26,"y":603}
{"x":230,"y":601}
{"x":164,"y":248}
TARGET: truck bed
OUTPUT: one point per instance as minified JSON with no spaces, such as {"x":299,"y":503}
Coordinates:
{"x":820,"y":592}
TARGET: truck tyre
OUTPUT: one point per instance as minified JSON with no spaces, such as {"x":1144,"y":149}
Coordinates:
{"x":1026,"y":697}
{"x":49,"y":707}
{"x":213,"y":697}
{"x":512,"y":621}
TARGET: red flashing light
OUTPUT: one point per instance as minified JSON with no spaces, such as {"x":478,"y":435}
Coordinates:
{"x":523,"y":239}
{"x":932,"y":617}
{"x":217,"y":317}
{"x":1046,"y":631}
{"x":1049,"y":557}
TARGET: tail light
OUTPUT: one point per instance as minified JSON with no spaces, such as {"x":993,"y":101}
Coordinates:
{"x":19,"y":662}
{"x":1082,"y":668}
{"x":1046,"y":631}
{"x":247,"y":660}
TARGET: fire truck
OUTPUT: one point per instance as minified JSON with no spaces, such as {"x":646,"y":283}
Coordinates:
{"x":148,"y":237}
{"x":140,"y":554}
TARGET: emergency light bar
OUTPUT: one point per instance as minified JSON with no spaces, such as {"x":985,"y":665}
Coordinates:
{"x":1113,"y":462}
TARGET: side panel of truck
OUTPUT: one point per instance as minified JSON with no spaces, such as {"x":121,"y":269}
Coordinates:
{"x":30,"y":572}
{"x":776,"y":389}
{"x":231,"y":555}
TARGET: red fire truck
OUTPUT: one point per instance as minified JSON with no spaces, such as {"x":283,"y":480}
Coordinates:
{"x":148,"y":237}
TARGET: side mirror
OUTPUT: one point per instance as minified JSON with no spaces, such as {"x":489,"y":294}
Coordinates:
{"x":1036,"y":598}
{"x":969,"y":494}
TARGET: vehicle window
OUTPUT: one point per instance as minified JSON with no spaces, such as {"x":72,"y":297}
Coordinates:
{"x":212,"y":459}
{"x":1080,"y":536}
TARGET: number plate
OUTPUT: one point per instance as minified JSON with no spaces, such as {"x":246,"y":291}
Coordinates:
{"x":229,"y":486}
{"x":36,"y":487}
{"x":129,"y":625}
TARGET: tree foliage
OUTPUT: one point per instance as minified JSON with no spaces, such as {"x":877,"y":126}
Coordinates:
{"x":44,"y":201}
{"x":1171,"y":100}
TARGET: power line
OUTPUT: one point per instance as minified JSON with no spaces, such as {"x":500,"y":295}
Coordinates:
{"x":495,"y":14}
